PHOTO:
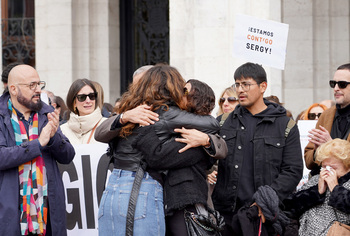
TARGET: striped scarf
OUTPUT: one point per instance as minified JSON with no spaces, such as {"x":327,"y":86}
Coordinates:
{"x":32,"y":179}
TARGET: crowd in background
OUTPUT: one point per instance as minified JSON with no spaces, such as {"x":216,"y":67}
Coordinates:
{"x":170,"y":154}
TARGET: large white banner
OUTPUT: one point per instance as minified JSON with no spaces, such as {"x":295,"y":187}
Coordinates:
{"x":84,"y":180}
{"x":260,"y":41}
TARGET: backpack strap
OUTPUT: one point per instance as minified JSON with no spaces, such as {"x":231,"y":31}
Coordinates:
{"x":290,"y":125}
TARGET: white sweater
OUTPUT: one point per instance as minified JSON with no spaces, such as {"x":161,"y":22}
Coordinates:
{"x":78,"y":128}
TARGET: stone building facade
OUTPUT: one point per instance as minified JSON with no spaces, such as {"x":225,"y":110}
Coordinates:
{"x":81,"y":39}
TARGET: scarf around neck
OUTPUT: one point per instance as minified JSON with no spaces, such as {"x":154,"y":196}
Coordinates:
{"x":32,"y":179}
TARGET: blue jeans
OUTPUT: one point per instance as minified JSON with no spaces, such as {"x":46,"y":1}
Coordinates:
{"x":149,"y":214}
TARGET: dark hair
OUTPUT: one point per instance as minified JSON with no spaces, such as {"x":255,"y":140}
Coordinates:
{"x":344,"y":67}
{"x":7,"y":69}
{"x":61,"y":104}
{"x":274,"y":99}
{"x":251,"y":70}
{"x":73,"y":91}
{"x":159,"y":86}
{"x":201,"y":98}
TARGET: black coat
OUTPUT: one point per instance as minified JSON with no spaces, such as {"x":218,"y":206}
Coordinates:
{"x":277,"y":161}
{"x":185,"y":183}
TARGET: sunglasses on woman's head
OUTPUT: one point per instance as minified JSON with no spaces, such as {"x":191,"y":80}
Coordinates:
{"x":82,"y":97}
{"x":312,"y":116}
{"x":229,"y":99}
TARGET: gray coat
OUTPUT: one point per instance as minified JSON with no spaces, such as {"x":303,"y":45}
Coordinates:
{"x":317,"y":220}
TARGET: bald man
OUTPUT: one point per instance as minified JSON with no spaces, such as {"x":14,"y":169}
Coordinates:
{"x":32,"y":200}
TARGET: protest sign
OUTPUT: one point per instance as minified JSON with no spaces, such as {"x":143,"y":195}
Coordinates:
{"x":260,"y":41}
{"x":84,"y":181}
{"x":304,"y":127}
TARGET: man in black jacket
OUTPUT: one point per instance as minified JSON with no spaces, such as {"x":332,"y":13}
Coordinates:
{"x":263,"y":149}
{"x":259,"y":153}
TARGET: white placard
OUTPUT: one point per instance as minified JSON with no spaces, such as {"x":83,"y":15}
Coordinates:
{"x":304,"y":127}
{"x":83,"y":185}
{"x":260,"y":41}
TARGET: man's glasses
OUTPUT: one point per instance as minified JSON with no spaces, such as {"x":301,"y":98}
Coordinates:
{"x":82,"y":97}
{"x":312,"y":116}
{"x":33,"y":85}
{"x":229,"y":99}
{"x":341,"y":84}
{"x":245,"y":86}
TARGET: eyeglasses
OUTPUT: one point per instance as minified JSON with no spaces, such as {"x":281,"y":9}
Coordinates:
{"x":229,"y":99}
{"x":312,"y":116}
{"x":341,"y":84}
{"x":245,"y":86}
{"x":82,"y":97}
{"x":33,"y":85}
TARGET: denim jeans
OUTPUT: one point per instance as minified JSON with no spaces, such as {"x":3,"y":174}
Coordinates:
{"x":149,"y":214}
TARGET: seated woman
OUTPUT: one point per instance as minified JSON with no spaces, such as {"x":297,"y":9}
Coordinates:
{"x":85,"y":114}
{"x":161,"y":89}
{"x":325,"y":198}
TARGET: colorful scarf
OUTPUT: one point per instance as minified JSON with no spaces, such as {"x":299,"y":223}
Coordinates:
{"x":32,"y":179}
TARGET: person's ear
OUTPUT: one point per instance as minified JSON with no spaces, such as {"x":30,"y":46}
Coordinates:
{"x":13,"y":90}
{"x":263,"y":86}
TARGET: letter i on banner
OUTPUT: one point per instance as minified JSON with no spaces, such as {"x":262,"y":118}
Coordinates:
{"x":260,"y":41}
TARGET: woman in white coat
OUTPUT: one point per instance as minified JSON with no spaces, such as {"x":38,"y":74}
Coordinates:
{"x":85,"y":115}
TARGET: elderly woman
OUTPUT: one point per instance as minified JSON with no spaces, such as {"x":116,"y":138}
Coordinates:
{"x":85,"y":116}
{"x":325,"y":198}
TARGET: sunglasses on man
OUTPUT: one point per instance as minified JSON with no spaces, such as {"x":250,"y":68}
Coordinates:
{"x":341,"y":84}
{"x":229,"y":99}
{"x":82,"y":97}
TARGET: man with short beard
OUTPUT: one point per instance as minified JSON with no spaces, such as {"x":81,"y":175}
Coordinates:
{"x":31,"y":144}
{"x":335,"y":121}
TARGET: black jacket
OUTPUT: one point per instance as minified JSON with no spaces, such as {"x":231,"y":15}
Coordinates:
{"x":185,"y":183}
{"x":127,"y":157}
{"x":277,"y":161}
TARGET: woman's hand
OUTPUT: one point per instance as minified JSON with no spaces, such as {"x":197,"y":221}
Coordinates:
{"x":322,"y":184}
{"x":331,"y":179}
{"x":212,"y":177}
{"x":140,"y":115}
{"x":192,"y":137}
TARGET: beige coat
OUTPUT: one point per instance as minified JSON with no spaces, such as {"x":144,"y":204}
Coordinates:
{"x":78,"y":129}
{"x":326,"y":120}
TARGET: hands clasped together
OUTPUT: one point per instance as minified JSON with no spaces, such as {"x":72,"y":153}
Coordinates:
{"x":319,"y":136}
{"x":328,"y":178}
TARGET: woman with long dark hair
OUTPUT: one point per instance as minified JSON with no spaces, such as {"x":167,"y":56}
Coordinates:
{"x":160,"y":90}
{"x":185,"y":186}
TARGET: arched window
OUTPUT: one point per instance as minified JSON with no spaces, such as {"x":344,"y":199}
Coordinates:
{"x":18,"y":32}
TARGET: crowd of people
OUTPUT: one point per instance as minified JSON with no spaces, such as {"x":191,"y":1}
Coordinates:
{"x":178,"y":170}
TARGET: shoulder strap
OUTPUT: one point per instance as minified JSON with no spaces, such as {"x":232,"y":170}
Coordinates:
{"x":92,"y":131}
{"x":130,"y":215}
{"x":290,"y":125}
{"x":223,"y":118}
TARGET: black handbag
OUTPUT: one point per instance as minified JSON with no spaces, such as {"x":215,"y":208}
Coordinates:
{"x":209,"y":224}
